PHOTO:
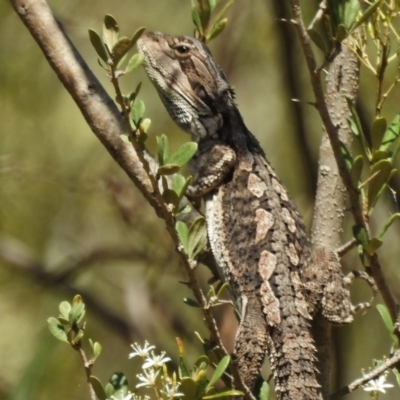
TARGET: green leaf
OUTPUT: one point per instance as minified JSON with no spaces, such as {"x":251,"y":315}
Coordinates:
{"x":219,"y":371}
{"x":134,"y":62}
{"x":341,"y":33}
{"x":191,"y":303}
{"x":197,"y":20}
{"x":57,"y":329}
{"x":98,"y":388}
{"x":217,"y":28}
{"x":391,"y":134}
{"x":265,"y":391}
{"x":387,"y":224}
{"x":132,"y":96}
{"x":120,"y":48}
{"x":145,"y":124}
{"x":361,"y":235}
{"x":109,"y":389}
{"x":110,"y":31}
{"x":162,"y":149}
{"x":137,"y":35}
{"x":373,"y":245}
{"x":183,"y":234}
{"x":137,"y":111}
{"x":168,"y":169}
{"x":380,"y":173}
{"x":227,"y":393}
{"x":178,"y":185}
{"x":183,"y":154}
{"x":351,"y":9}
{"x":348,"y":159}
{"x":356,"y":170}
{"x":356,"y":127}
{"x":188,"y":387}
{"x":78,"y":336}
{"x":212,"y":4}
{"x":318,"y":40}
{"x":378,"y":130}
{"x":77,"y":313}
{"x":224,"y":9}
{"x":197,"y":238}
{"x":203,"y":9}
{"x":64,"y":309}
{"x":98,"y":45}
{"x":387,"y":320}
{"x":379,"y":155}
{"x":170,"y":197}
{"x":368,"y":13}
{"x":96,"y":350}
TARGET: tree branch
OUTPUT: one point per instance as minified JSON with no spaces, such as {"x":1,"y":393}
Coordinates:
{"x":104,"y":119}
{"x":332,"y":131}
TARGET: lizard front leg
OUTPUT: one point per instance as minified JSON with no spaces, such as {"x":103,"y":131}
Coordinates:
{"x":210,"y":166}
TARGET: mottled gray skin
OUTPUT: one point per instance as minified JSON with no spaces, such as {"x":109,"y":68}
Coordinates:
{"x":256,"y":235}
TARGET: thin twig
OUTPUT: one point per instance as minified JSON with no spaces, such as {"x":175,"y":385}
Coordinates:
{"x":88,"y":368}
{"x":367,"y":377}
{"x":342,"y":250}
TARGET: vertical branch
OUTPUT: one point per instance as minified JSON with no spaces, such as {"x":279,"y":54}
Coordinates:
{"x":342,"y":80}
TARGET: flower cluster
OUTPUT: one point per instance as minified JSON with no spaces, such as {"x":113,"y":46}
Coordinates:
{"x":155,"y":373}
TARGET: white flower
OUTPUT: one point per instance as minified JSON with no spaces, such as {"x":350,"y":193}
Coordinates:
{"x":139,"y":351}
{"x":148,"y":380}
{"x":155,"y":361}
{"x":377,"y":385}
{"x":172,"y":391}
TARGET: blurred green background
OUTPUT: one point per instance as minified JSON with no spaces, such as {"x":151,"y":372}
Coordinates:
{"x":71,"y":222}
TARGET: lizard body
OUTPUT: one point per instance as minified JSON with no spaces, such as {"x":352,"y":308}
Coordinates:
{"x":256,"y":234}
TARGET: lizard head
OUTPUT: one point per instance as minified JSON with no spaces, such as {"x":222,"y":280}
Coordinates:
{"x":191,"y":85}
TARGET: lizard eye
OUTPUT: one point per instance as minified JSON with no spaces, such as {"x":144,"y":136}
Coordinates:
{"x":182,"y":49}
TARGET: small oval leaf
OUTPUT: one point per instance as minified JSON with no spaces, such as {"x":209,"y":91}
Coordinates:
{"x":98,"y":388}
{"x":64,"y":309}
{"x":135,"y":61}
{"x":378,"y":130}
{"x":162,"y":149}
{"x":197,"y":238}
{"x":183,"y":154}
{"x":191,"y":303}
{"x":318,"y":40}
{"x":98,"y":45}
{"x":96,"y":350}
{"x":57,"y":329}
{"x":183,"y":233}
{"x":356,"y":170}
{"x":110,"y":31}
{"x":373,"y":245}
{"x":137,"y":35}
{"x":219,"y":370}
{"x":386,"y":318}
{"x":380,"y":173}
{"x":217,"y":28}
{"x":392,"y":133}
{"x":120,"y":48}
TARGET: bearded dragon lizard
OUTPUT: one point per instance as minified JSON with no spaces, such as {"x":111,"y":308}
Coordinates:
{"x":255,"y":232}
